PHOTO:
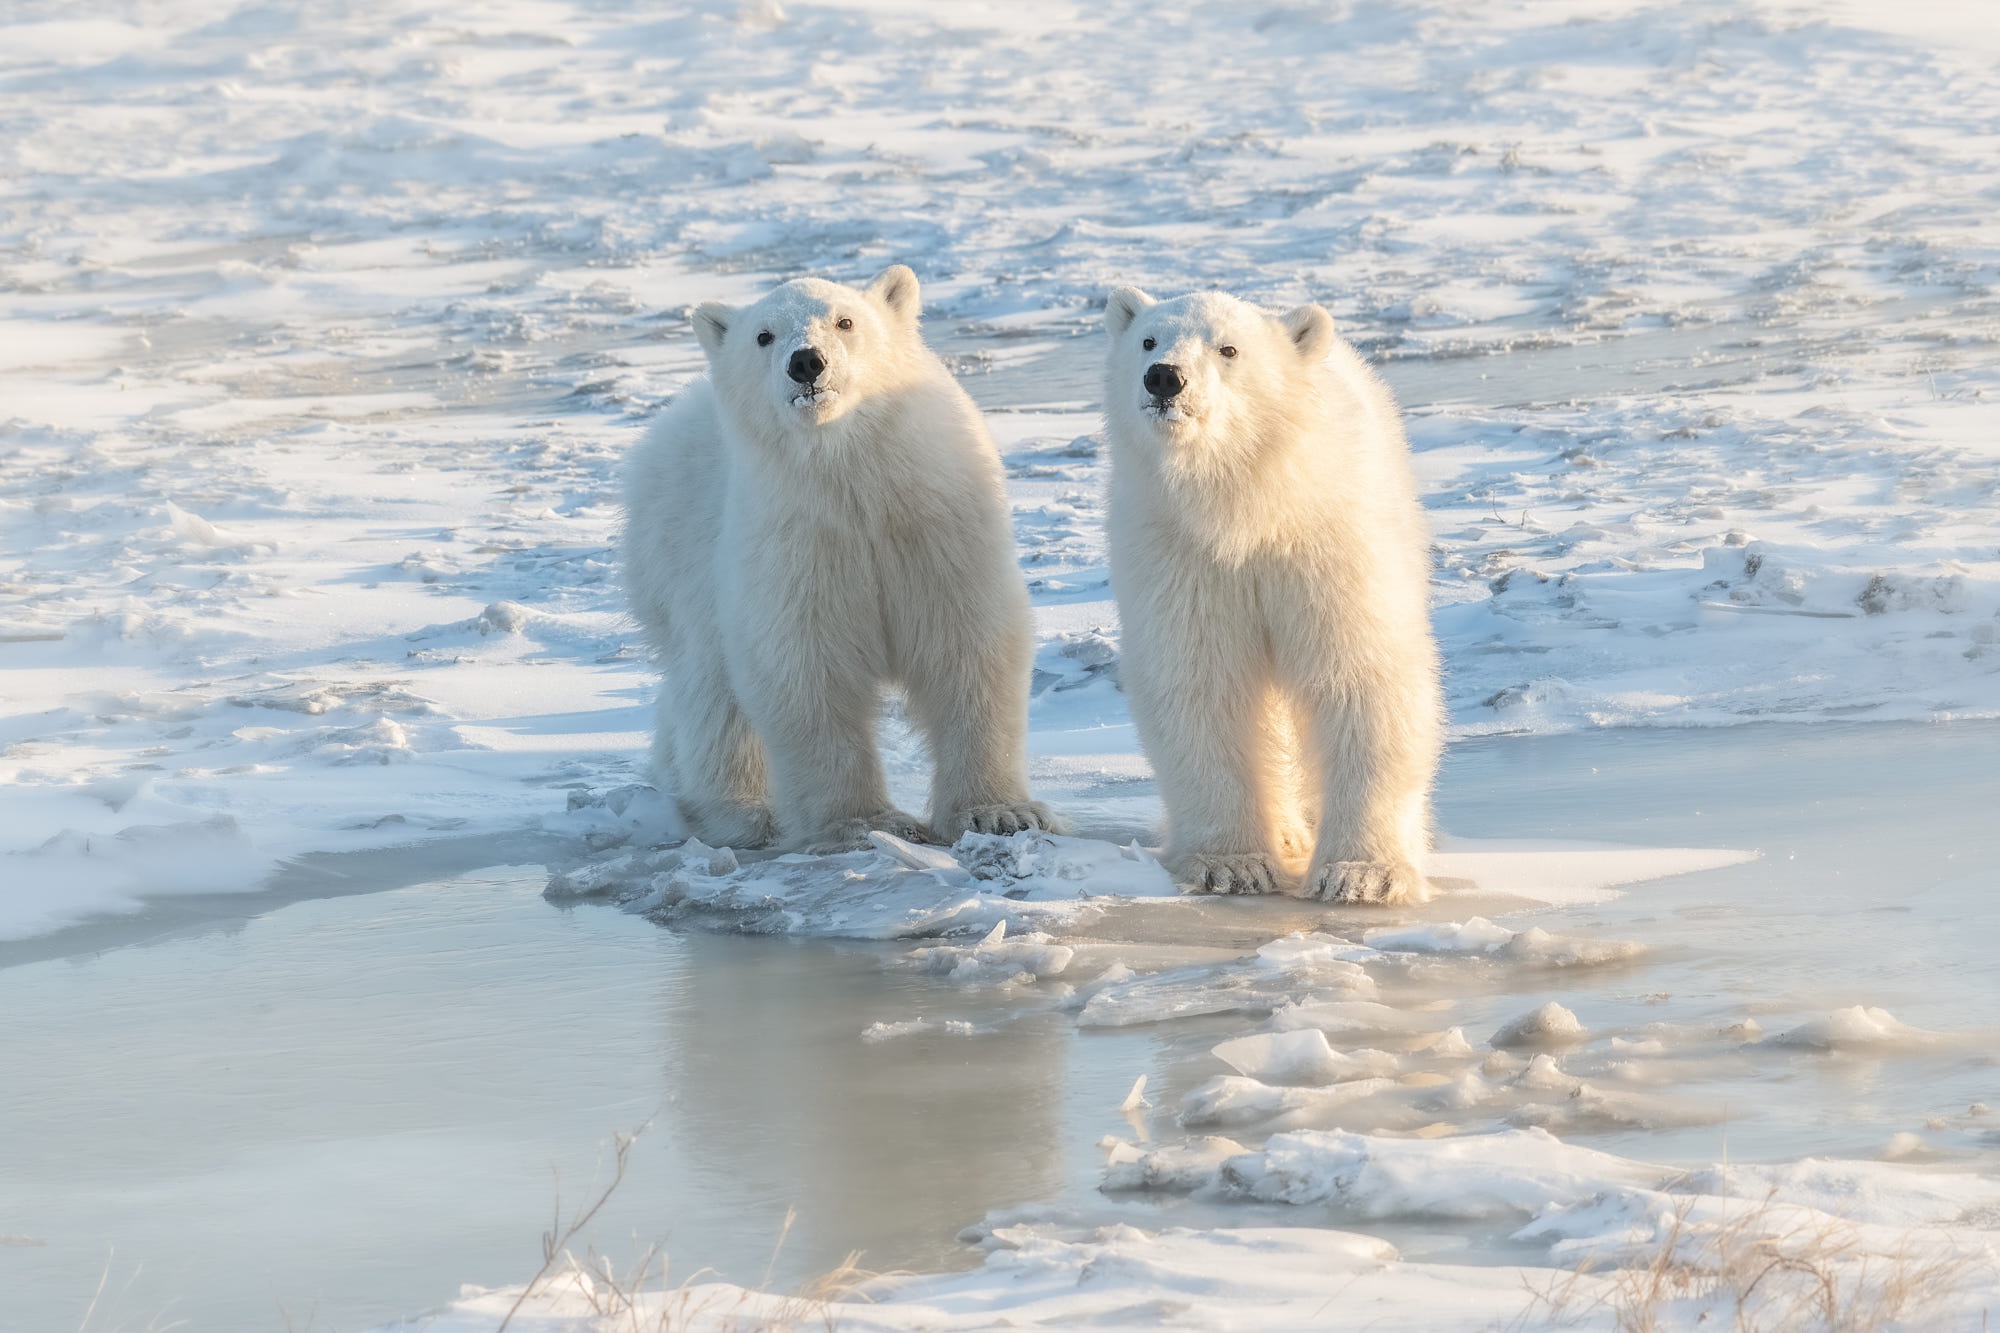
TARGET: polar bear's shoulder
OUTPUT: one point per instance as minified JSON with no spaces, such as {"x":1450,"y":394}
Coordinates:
{"x":692,"y":413}
{"x":685,"y":438}
{"x":1348,"y":377}
{"x":1357,"y":405}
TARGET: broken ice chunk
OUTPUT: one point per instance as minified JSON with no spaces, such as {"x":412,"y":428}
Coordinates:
{"x":910,"y":854}
{"x":1856,"y":1027}
{"x":1550,"y":1025}
{"x":1303,"y":1056}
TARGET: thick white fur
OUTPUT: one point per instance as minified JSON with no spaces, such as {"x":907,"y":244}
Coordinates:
{"x":791,"y":555}
{"x":1272,"y":570}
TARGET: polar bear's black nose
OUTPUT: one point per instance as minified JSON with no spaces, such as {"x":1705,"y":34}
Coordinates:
{"x":805,"y":365}
{"x":1163,"y":380}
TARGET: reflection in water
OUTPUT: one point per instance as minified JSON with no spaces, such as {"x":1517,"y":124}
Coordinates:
{"x":890,"y":1147}
{"x":350,"y":1106}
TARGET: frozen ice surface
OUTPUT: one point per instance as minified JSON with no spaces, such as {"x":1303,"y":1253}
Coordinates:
{"x":1855,"y":1026}
{"x":1475,"y":936}
{"x":1472,"y":1175}
{"x":313,"y":406}
{"x":1303,"y":1056}
{"x":1550,"y":1025}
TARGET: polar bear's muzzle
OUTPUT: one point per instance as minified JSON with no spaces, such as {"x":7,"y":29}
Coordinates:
{"x":1164,"y":385}
{"x":806,"y":366}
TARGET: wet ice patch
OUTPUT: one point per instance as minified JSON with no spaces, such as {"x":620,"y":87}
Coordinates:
{"x":895,"y":890}
{"x":1856,"y":1028}
{"x":1550,"y":1025}
{"x":1356,"y":1018}
{"x":996,"y":959}
{"x":1229,"y":1101}
{"x":913,"y":856}
{"x":1307,"y":953}
{"x":1272,"y":978}
{"x":1478,"y":936}
{"x":1178,"y":1168}
{"x":1036,"y":865}
{"x":636,"y":812}
{"x":1518,"y":1173}
{"x":1302,"y":1056}
{"x":876,"y":1033}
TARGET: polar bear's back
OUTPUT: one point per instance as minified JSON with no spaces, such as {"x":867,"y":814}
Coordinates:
{"x":1350,"y":384}
{"x":674,"y":483}
{"x":1371,"y":457}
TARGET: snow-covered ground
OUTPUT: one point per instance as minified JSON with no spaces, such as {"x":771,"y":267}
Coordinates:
{"x":322,"y":332}
{"x":323,"y":328}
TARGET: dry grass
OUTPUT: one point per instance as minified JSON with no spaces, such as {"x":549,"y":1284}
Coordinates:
{"x":100,"y":1315}
{"x":1767,"y":1268}
{"x":640,"y":1298}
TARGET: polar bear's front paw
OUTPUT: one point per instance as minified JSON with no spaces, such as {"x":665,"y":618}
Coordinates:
{"x":1227,"y":872}
{"x":738,"y":826}
{"x":1389,"y":883}
{"x":851,"y":835}
{"x":1007,"y":817}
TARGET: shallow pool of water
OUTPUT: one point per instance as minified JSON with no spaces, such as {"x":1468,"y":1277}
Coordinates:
{"x":345,"y":1108}
{"x":342,"y":1108}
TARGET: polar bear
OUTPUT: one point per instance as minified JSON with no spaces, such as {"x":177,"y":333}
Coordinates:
{"x":1271,"y":565}
{"x":821,"y":518}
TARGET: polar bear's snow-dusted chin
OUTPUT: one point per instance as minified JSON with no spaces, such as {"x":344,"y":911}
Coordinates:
{"x":809,"y":364}
{"x":1210,"y":380}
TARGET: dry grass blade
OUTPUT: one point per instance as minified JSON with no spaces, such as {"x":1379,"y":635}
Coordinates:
{"x":1767,"y":1268}
{"x":639,"y":1299}
{"x":555,"y":1241}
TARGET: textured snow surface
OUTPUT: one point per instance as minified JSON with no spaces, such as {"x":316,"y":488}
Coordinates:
{"x":322,"y":332}
{"x":324,"y":329}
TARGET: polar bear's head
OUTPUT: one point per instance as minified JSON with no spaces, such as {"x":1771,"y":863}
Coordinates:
{"x":1207,"y":375}
{"x":811,"y":352}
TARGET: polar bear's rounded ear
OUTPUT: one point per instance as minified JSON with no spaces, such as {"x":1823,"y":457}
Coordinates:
{"x":1122,"y":307}
{"x":1311,"y":331}
{"x":896,"y":287}
{"x":711,"y":325}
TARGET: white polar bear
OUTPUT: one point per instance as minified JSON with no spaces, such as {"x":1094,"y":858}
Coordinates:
{"x":1271,"y":565}
{"x":821,"y":518}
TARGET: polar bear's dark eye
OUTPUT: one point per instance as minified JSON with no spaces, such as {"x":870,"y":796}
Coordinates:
{"x":764,"y":339}
{"x":1227,"y":351}
{"x":844,"y":324}
{"x":1149,"y":344}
